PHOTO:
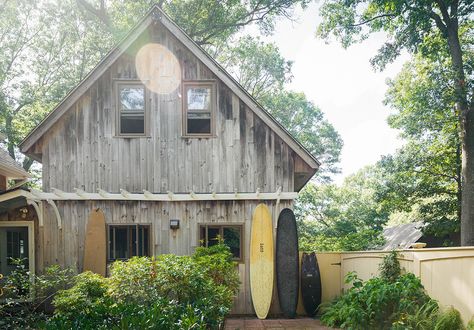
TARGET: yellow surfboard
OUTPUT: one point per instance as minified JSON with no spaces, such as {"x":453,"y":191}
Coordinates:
{"x":261,"y":261}
{"x":95,"y":244}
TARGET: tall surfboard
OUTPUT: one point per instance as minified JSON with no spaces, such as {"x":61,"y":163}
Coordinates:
{"x":310,"y":283}
{"x":287,"y":263}
{"x":95,"y":247}
{"x":261,"y":261}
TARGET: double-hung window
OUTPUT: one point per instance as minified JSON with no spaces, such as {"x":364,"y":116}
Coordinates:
{"x":199,"y":105}
{"x":132,"y":109}
{"x":126,"y":241}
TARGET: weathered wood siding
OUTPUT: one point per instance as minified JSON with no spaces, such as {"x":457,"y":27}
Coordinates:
{"x":81,"y":151}
{"x":66,"y":246}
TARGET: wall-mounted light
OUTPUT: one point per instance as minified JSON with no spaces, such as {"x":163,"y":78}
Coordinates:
{"x":23,"y":212}
{"x":174,"y":224}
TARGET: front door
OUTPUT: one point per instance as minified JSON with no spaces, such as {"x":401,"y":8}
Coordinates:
{"x":13,"y":246}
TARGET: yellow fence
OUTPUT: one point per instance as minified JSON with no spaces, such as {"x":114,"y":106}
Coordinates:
{"x":446,"y":273}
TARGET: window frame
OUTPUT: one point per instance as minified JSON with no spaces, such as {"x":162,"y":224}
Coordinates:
{"x":221,"y":227}
{"x":128,"y":225}
{"x":213,"y":106}
{"x":118,"y":129}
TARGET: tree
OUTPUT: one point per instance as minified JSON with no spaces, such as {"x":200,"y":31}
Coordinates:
{"x":306,"y":122}
{"x":413,"y":25}
{"x":342,"y":218}
{"x":425,"y":173}
{"x":207,"y":22}
{"x":258,"y":67}
{"x":47,"y":49}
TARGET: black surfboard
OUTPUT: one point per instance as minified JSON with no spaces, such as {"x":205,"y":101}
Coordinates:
{"x":287,"y":263}
{"x":310,"y":283}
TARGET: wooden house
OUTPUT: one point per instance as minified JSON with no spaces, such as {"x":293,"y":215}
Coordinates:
{"x":168,"y":145}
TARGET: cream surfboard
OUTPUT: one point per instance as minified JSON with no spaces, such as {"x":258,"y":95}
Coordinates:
{"x":95,"y":245}
{"x":261,"y":261}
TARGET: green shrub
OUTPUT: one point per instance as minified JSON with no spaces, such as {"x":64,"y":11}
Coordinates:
{"x":88,"y":294}
{"x":26,"y":301}
{"x":167,"y":292}
{"x":375,"y":304}
{"x":422,"y":319}
{"x":470,"y":324}
{"x":176,"y":278}
{"x":217,"y":262}
{"x":390,"y":301}
{"x":390,"y":267}
{"x":449,"y":320}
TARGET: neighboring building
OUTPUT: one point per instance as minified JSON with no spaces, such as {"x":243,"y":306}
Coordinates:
{"x":405,"y":236}
{"x":10,"y":170}
{"x":158,"y":131}
{"x":402,"y":236}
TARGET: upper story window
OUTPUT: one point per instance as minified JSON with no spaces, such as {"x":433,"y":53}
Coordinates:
{"x":132,"y":109}
{"x":199,"y":105}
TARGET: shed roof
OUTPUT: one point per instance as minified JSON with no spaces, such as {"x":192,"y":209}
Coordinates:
{"x":10,"y":168}
{"x":156,"y":14}
{"x":402,"y":236}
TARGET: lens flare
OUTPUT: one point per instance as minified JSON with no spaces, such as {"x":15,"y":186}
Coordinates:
{"x":158,"y":68}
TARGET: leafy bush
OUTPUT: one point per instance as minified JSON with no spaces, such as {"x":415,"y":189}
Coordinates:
{"x":26,"y":301}
{"x":390,"y":267}
{"x":449,"y":320}
{"x":391,"y":301}
{"x":376,"y":303}
{"x":218,"y":264}
{"x":88,"y":293}
{"x":167,"y":292}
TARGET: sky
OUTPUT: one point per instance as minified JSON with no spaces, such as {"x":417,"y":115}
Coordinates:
{"x":343,"y":84}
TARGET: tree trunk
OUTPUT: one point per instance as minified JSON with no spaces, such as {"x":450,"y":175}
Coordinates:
{"x":9,"y":134}
{"x":467,"y":205}
{"x":466,"y":116}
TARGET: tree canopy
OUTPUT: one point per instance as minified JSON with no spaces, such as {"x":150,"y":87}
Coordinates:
{"x":437,"y":30}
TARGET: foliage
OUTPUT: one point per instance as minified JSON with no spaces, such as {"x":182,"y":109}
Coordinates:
{"x":217,"y":262}
{"x":345,"y":217}
{"x":426,"y":173}
{"x":375,"y":304}
{"x":307,"y":124}
{"x":257,"y":66}
{"x":449,"y":320}
{"x":18,"y":284}
{"x":390,"y":267}
{"x":27,"y":301}
{"x":86,"y":295}
{"x":169,"y":292}
{"x":390,"y":301}
{"x":441,"y":34}
{"x":424,"y":318}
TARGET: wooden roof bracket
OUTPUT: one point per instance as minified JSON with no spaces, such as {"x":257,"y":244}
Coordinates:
{"x":38,"y":206}
{"x":56,"y":212}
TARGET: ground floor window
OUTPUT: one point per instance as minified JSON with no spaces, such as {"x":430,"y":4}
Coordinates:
{"x":126,"y":241}
{"x":16,"y":245}
{"x":232,"y":236}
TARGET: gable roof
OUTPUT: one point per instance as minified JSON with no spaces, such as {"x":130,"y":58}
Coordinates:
{"x":156,"y":14}
{"x":10,"y":168}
